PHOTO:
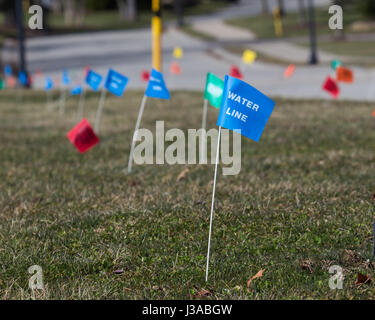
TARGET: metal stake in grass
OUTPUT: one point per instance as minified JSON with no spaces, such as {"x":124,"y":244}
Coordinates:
{"x":62,"y":100}
{"x":48,"y":98}
{"x":143,"y":103}
{"x":100,"y":111}
{"x":204,"y":117}
{"x":212,"y":205}
{"x":81,"y":104}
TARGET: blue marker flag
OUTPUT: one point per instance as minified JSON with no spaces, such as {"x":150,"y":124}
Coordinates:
{"x":76,"y":90}
{"x":48,"y":85}
{"x":93,"y":79}
{"x":65,"y":78}
{"x":22,"y":77}
{"x":244,"y":108}
{"x":156,"y":86}
{"x":115,"y":83}
{"x":8,"y":70}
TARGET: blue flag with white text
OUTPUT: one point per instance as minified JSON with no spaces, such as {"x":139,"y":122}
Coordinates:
{"x":244,"y":108}
{"x":93,"y":79}
{"x":65,"y":78}
{"x":76,"y":90}
{"x":22,"y":77}
{"x":115,"y":82}
{"x":156,"y":86}
{"x":48,"y":85}
{"x":8,"y":70}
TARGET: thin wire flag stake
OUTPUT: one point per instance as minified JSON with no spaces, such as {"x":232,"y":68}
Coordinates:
{"x":143,"y":103}
{"x":48,"y":96}
{"x":212,"y":204}
{"x":62,"y":100}
{"x":204,"y":117}
{"x":81,"y":104}
{"x":100,"y":111}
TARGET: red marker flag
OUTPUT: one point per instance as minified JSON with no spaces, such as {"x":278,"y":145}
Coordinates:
{"x":331,"y":87}
{"x":86,"y":70}
{"x":175,"y":68}
{"x":344,"y":75}
{"x":373,"y":113}
{"x":289,"y":71}
{"x":235,"y":72}
{"x":145,"y":75}
{"x":82,"y":136}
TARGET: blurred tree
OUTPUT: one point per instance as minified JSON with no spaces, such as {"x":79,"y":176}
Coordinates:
{"x":8,"y":7}
{"x":367,"y":7}
{"x":302,"y":12}
{"x":127,"y":9}
{"x":280,"y":4}
{"x":265,"y":8}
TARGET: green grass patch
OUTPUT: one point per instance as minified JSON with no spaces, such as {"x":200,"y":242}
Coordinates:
{"x":263,"y":26}
{"x":302,"y":198}
{"x":358,"y":52}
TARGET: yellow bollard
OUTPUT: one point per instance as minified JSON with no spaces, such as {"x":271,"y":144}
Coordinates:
{"x":156,"y":25}
{"x":277,"y":22}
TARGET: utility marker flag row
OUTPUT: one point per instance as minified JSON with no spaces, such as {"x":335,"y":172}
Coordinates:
{"x":244,"y":110}
{"x":114,"y":83}
{"x":156,"y":88}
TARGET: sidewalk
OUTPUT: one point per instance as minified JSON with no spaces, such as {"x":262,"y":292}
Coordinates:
{"x":279,"y":49}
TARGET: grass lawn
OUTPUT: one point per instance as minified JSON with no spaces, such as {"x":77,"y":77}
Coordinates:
{"x":301,"y":203}
{"x":359,"y":52}
{"x":263,"y":26}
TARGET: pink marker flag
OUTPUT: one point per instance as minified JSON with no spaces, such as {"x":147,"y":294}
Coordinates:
{"x":289,"y":71}
{"x":83,"y":137}
{"x":331,"y":86}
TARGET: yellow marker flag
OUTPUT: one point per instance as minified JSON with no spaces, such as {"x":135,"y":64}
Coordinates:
{"x":178,"y":53}
{"x":249,"y":56}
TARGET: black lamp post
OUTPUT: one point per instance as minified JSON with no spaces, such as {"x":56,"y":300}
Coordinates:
{"x":313,"y":55}
{"x":179,"y":13}
{"x":21,"y":37}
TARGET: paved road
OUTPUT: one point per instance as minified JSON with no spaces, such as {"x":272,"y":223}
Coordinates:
{"x":129,"y":52}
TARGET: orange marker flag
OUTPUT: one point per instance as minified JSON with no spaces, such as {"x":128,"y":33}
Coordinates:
{"x":373,"y":113}
{"x":344,"y":75}
{"x":289,"y":71}
{"x":10,"y":82}
{"x":175,"y":68}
